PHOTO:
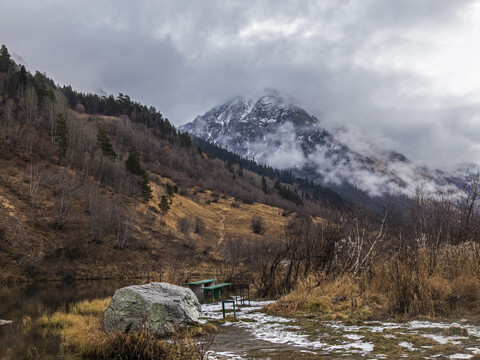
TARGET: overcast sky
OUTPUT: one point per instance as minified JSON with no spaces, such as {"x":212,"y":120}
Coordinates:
{"x":396,"y":74}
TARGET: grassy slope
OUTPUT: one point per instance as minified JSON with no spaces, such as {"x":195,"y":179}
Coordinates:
{"x":32,"y":248}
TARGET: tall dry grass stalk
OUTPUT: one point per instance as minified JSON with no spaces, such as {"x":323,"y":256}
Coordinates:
{"x":412,"y":282}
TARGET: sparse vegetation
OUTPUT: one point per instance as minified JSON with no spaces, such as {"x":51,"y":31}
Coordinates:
{"x":82,"y":336}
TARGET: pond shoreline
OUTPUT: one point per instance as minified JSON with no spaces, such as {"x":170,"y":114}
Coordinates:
{"x":36,"y":298}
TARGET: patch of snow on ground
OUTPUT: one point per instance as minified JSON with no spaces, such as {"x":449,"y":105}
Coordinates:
{"x":278,"y":330}
{"x":442,"y":339}
{"x":460,"y":356}
{"x":223,"y":355}
{"x":407,"y":345}
{"x":358,"y":346}
{"x":285,"y":331}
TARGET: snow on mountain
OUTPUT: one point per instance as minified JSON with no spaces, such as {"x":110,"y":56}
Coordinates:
{"x":271,"y":129}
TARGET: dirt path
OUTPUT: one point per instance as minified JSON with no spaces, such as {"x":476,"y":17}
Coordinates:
{"x":256,"y":335}
{"x":222,"y":227}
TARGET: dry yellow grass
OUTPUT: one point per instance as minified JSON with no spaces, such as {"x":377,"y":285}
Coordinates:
{"x":220,"y":217}
{"x":329,"y":298}
{"x":82,"y":336}
{"x":405,"y":285}
{"x":93,"y":307}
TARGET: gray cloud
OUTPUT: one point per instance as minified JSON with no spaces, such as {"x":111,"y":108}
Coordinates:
{"x":390,"y":72}
{"x":280,"y":149}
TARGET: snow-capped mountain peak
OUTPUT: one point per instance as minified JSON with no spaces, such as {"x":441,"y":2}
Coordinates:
{"x":272,"y":129}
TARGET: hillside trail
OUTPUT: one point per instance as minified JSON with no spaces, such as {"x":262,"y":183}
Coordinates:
{"x":222,"y":227}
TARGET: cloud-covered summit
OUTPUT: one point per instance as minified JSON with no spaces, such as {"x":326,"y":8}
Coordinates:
{"x":272,"y":130}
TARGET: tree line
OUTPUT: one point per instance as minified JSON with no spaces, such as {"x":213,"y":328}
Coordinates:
{"x":310,"y":190}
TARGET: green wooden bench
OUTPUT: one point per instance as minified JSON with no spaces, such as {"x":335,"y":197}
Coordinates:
{"x":198,"y":286}
{"x":215,"y":291}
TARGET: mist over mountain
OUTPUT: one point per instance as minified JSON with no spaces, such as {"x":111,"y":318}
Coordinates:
{"x":272,"y":129}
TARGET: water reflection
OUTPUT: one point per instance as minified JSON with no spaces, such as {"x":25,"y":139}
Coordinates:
{"x":17,"y":301}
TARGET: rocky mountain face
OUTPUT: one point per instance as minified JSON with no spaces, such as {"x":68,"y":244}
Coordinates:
{"x":272,"y":130}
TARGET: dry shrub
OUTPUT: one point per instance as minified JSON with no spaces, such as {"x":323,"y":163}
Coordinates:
{"x":82,"y":336}
{"x":199,"y":225}
{"x":80,"y":108}
{"x":424,"y":281}
{"x":414,"y":281}
{"x":184,"y":224}
{"x":406,"y":287}
{"x":142,"y":345}
{"x":324,"y":296}
{"x":438,"y":290}
{"x":258,"y":224}
{"x":466,"y":293}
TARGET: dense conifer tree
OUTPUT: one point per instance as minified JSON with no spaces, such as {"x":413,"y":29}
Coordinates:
{"x":103,"y":142}
{"x":133,"y":163}
{"x":22,"y":79}
{"x":171,"y":190}
{"x":133,"y":166}
{"x":61,"y":136}
{"x":264,"y":185}
{"x":146,"y":189}
{"x":164,"y":205}
{"x":240,"y":169}
{"x":5,"y":60}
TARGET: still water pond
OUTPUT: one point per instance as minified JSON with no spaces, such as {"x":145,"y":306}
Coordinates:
{"x":17,"y":301}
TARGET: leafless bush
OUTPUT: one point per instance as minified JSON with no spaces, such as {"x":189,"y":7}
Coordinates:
{"x":275,"y":266}
{"x":257,"y":261}
{"x":199,"y":225}
{"x":258,"y":224}
{"x":35,"y":178}
{"x":202,"y":344}
{"x":8,"y":115}
{"x":63,"y":209}
{"x":28,"y":105}
{"x":16,"y":233}
{"x":31,"y":265}
{"x":184,"y":224}
{"x":215,"y":197}
{"x":122,"y":231}
{"x":189,"y":243}
{"x":99,"y":222}
{"x":80,"y":108}
{"x":107,"y":217}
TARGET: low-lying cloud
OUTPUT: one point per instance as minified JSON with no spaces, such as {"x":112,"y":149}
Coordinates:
{"x":279,"y":149}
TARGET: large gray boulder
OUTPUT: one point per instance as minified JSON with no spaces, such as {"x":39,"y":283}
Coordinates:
{"x":159,"y":308}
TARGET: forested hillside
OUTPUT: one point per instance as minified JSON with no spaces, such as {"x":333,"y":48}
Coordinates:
{"x":103,"y":187}
{"x":85,"y":176}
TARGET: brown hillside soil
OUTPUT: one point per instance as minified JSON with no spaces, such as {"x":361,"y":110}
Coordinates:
{"x":33,"y":248}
